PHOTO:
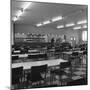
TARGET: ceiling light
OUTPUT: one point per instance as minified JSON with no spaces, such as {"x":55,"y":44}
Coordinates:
{"x":84,"y":26}
{"x":82,"y":22}
{"x":61,"y":26}
{"x":57,"y":18}
{"x":19,"y":13}
{"x":15,"y":19}
{"x":46,"y":22}
{"x":39,"y":24}
{"x":75,"y":28}
{"x":70,"y":24}
{"x":26,"y":5}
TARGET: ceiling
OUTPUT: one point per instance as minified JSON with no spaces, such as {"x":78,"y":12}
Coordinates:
{"x":39,"y":12}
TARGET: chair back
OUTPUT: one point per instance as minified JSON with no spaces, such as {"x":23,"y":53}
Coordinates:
{"x":16,"y":74}
{"x":36,"y":72}
{"x":15,"y":57}
{"x":75,"y":54}
{"x":85,"y":53}
{"x":65,"y":65}
{"x":17,"y":71}
{"x":39,"y":69}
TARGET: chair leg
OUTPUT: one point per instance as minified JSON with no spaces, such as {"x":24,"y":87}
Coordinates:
{"x":60,"y":82}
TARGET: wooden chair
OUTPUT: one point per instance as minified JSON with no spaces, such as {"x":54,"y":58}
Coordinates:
{"x":16,"y":77}
{"x":62,"y":70}
{"x":36,"y":74}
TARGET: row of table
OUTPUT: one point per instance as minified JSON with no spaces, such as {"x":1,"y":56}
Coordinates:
{"x":26,"y":55}
{"x":28,"y":65}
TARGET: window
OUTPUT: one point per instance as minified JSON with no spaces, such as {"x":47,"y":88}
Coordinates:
{"x":84,"y":35}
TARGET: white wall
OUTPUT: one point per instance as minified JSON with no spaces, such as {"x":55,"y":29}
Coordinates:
{"x":19,"y":28}
{"x":12,"y":33}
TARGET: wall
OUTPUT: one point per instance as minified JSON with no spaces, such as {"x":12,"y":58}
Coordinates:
{"x":42,"y":30}
{"x":19,"y":28}
{"x":12,"y":33}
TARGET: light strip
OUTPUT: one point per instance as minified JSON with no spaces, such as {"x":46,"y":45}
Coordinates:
{"x":26,"y":5}
{"x":82,"y":22}
{"x":46,"y":22}
{"x":15,"y":19}
{"x":75,"y":28}
{"x":20,"y":12}
{"x":57,"y":18}
{"x":61,"y":26}
{"x":70,"y":24}
{"x":39,"y":24}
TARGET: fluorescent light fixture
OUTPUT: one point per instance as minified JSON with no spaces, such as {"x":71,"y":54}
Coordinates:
{"x":26,"y":5}
{"x":39,"y":24}
{"x":84,"y":26}
{"x":70,"y":24}
{"x":61,"y":26}
{"x":15,"y":19}
{"x":19,"y":13}
{"x":57,"y":18}
{"x":75,"y":28}
{"x":82,"y":22}
{"x":46,"y":22}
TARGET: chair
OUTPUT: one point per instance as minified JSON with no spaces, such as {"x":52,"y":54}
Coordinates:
{"x":63,"y":68}
{"x":42,"y":55}
{"x":33,"y":56}
{"x":82,"y":81}
{"x":85,"y":53}
{"x":75,"y":54}
{"x":75,"y":58}
{"x":37,"y":56}
{"x":17,"y":74}
{"x":36,"y":74}
{"x":14,"y":58}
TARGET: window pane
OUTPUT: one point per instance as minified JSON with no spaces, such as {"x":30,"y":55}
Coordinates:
{"x":84,"y":35}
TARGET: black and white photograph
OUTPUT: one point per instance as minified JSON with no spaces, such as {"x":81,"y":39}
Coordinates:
{"x":49,"y":44}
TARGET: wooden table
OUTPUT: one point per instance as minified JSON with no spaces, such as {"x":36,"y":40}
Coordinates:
{"x":28,"y":65}
{"x":69,"y":52}
{"x":66,"y":54}
{"x":16,"y":51}
{"x":26,"y":55}
{"x":80,"y":52}
{"x":33,"y":51}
